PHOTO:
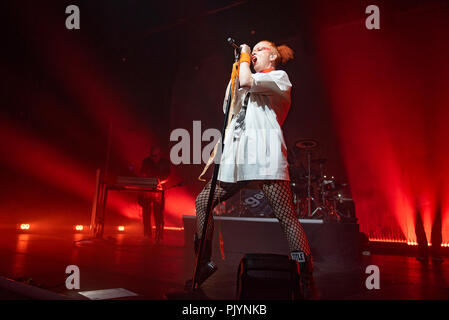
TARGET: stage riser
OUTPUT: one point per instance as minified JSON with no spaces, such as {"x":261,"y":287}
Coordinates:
{"x":333,"y":245}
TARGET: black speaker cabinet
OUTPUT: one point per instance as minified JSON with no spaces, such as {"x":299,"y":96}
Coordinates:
{"x":267,"y":276}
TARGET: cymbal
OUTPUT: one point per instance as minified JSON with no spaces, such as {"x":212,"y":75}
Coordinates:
{"x":306,"y":144}
{"x":319,"y":161}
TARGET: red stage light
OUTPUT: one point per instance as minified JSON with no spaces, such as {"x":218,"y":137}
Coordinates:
{"x":174,"y":228}
{"x":380,"y":108}
{"x":171,"y":228}
{"x":410,"y":243}
{"x":79,"y":227}
{"x":25,"y":226}
{"x":121,"y":228}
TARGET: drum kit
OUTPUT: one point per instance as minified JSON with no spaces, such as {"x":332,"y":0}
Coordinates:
{"x":316,"y":195}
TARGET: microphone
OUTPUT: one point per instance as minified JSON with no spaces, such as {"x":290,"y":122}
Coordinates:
{"x":232,"y":43}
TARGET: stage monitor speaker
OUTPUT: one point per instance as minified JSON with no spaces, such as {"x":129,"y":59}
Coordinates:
{"x":267,"y":277}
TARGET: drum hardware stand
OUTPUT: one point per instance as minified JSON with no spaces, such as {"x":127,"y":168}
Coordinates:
{"x":308,"y":145}
{"x":327,"y":210}
{"x":334,"y":211}
{"x":309,"y":184}
{"x":321,"y":207}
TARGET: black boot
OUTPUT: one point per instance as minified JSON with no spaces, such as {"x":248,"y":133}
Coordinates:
{"x":306,"y":282}
{"x":206,"y":267}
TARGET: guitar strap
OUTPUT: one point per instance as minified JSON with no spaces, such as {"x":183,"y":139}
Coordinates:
{"x":234,"y":109}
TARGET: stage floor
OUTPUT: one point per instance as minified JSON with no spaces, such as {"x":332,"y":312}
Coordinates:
{"x":151,"y":270}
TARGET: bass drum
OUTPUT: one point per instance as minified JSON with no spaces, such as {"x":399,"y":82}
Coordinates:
{"x":254,"y":204}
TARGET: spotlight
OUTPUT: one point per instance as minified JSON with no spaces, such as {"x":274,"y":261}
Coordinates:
{"x":174,"y":228}
{"x":121,"y":228}
{"x":25,"y":226}
{"x":79,"y":227}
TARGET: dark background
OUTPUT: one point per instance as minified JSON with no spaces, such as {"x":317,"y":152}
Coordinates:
{"x":136,"y":70}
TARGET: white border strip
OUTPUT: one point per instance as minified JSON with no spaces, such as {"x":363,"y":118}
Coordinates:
{"x":106,"y":294}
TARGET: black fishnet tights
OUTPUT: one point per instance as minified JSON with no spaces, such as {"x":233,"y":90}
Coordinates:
{"x":278,"y":195}
{"x":223,"y":191}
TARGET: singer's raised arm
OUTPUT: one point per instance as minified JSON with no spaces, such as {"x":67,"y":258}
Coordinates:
{"x":245,"y":74}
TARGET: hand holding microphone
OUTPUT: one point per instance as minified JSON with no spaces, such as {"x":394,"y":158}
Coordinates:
{"x":244,"y":49}
{"x":245,"y":53}
{"x":233,"y":44}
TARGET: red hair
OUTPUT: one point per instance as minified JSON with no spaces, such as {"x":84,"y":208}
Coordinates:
{"x":283,"y":52}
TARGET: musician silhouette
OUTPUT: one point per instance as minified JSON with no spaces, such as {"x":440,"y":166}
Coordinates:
{"x":154,"y":166}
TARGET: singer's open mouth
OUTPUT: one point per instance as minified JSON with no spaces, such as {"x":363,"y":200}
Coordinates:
{"x":254,"y":59}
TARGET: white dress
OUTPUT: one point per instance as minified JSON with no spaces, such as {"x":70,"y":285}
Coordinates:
{"x":254,"y":145}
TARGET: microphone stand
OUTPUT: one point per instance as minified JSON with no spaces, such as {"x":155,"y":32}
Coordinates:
{"x":213,"y":183}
